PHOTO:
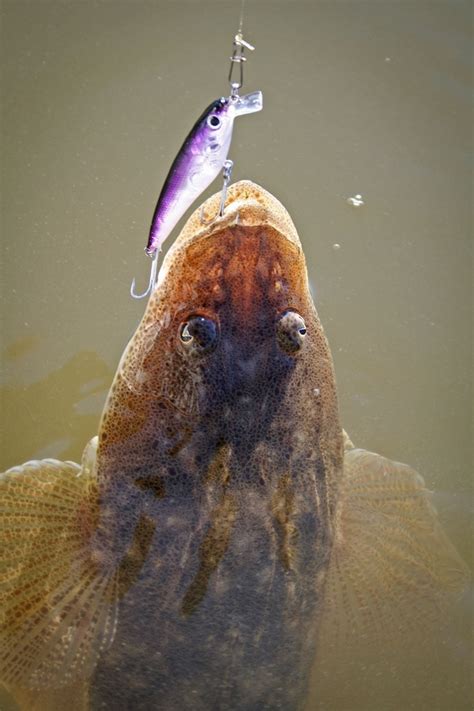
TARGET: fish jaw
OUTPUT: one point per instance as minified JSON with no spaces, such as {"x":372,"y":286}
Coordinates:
{"x":248,"y":205}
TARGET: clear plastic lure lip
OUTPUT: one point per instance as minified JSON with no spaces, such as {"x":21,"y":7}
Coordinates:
{"x":249,"y":103}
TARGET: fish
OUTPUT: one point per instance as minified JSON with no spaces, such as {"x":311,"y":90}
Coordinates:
{"x":198,"y":163}
{"x":222,"y":533}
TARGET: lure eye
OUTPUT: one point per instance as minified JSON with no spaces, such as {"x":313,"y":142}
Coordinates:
{"x":199,"y":335}
{"x":290,"y":332}
{"x":214,"y":121}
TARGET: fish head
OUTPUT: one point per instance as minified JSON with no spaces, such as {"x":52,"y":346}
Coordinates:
{"x":230,"y":352}
{"x":240,"y":295}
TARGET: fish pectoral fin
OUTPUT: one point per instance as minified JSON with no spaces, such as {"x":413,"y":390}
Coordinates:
{"x":58,"y":605}
{"x":392,"y":566}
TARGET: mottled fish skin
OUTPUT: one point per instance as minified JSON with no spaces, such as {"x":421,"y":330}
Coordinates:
{"x":218,"y":475}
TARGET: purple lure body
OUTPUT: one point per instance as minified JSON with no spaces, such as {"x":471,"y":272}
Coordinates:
{"x":198,"y":163}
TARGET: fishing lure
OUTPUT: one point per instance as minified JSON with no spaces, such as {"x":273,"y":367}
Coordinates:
{"x":201,"y":157}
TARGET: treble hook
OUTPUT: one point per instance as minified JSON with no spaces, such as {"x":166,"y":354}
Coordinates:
{"x":226,"y":174}
{"x":238,"y":58}
{"x":151,"y":282}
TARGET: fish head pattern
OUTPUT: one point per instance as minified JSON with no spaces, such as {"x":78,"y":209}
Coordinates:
{"x":230,"y":350}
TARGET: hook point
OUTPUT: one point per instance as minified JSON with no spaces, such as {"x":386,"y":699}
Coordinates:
{"x":151,"y":281}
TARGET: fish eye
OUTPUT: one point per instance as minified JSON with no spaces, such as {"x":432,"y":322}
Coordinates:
{"x":290,"y":332}
{"x":214,"y":121}
{"x":198,"y":334}
{"x":185,"y":334}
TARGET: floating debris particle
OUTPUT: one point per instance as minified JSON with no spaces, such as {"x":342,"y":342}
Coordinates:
{"x":356,"y":201}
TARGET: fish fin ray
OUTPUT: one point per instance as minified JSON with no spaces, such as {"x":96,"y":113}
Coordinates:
{"x":58,"y":606}
{"x":392,"y":566}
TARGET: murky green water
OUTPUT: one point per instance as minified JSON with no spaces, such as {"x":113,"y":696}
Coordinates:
{"x":367,"y":98}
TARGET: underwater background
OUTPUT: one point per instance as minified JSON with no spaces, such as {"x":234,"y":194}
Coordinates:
{"x":367,"y":98}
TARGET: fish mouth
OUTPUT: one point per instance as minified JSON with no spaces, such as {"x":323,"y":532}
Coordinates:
{"x":247,"y":205}
{"x":250,"y":258}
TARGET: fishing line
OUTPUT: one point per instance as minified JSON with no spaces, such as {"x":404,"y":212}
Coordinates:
{"x":241,"y":23}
